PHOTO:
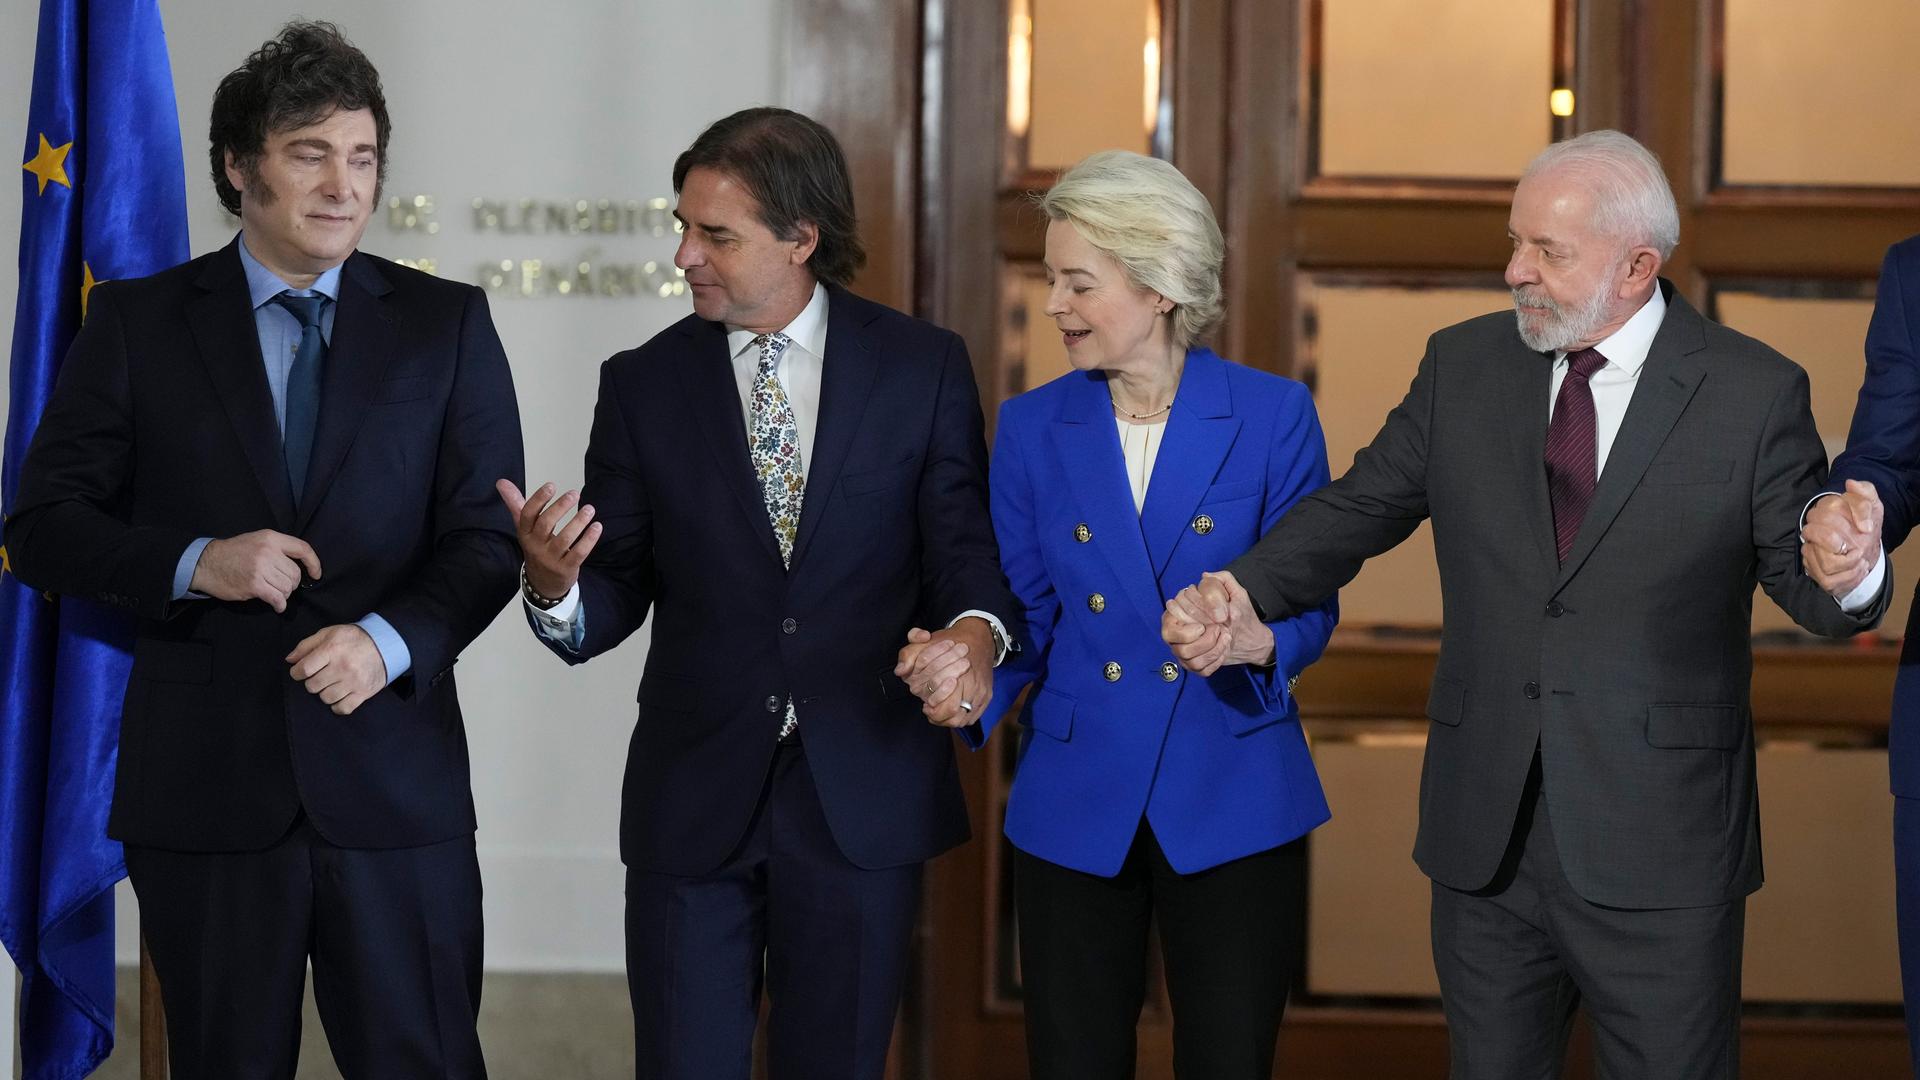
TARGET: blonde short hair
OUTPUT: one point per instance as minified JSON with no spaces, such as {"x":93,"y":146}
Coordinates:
{"x":1142,"y":213}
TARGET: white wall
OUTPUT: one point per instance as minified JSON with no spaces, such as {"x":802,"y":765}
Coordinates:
{"x":589,"y":99}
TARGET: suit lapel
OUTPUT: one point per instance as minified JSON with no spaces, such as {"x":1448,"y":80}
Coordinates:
{"x":361,"y":351}
{"x":223,"y":328}
{"x":1530,"y":382}
{"x":1089,"y":447}
{"x":846,"y":379}
{"x":1200,"y":430}
{"x":1667,"y":383}
{"x":712,"y":403}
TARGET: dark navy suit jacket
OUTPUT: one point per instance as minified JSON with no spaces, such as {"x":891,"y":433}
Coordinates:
{"x":1218,"y":765}
{"x":162,"y":430}
{"x":1883,"y":448}
{"x":894,"y":533}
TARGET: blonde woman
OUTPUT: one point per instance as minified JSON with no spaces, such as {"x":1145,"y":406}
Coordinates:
{"x":1145,"y":791}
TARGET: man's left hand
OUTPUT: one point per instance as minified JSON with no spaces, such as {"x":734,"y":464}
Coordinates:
{"x":1840,"y":539}
{"x":950,"y":671}
{"x":339,"y":665}
{"x":1212,"y":624}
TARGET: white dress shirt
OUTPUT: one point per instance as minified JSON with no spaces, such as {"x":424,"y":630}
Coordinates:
{"x":799,"y":370}
{"x":1626,"y":352}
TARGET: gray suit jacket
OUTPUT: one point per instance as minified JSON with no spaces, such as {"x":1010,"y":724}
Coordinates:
{"x":1629,"y":667}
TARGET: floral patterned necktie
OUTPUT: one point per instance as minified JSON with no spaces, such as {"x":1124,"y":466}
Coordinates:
{"x":775,"y":443}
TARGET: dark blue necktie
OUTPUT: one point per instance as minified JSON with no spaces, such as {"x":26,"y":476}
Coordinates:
{"x":303,"y":387}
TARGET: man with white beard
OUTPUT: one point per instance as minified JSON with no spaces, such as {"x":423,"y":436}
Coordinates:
{"x":1608,"y":474}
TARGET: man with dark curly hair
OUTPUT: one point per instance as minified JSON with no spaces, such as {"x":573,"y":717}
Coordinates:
{"x":279,"y":457}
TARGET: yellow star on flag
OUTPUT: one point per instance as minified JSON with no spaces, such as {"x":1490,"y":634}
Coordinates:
{"x":50,"y":164}
{"x":86,"y":286}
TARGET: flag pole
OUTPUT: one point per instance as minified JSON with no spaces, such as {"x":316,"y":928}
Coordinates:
{"x":9,"y":1046}
{"x":153,"y":1020}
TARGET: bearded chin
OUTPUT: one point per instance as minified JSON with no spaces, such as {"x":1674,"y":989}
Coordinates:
{"x":1559,"y":327}
{"x":1547,"y":336}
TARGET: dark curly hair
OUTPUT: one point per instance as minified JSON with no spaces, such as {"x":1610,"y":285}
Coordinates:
{"x":301,"y":77}
{"x":794,"y":168}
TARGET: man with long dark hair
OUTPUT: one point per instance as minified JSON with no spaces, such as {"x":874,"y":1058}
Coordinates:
{"x":792,"y":480}
{"x":278,"y":457}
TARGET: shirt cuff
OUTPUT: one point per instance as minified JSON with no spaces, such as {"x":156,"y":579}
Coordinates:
{"x":183,"y":573}
{"x":1002,"y":642}
{"x":1809,"y":506}
{"x":393,"y":648}
{"x":565,"y":623}
{"x":1862,"y":597}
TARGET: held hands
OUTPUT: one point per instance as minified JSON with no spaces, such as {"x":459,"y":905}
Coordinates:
{"x":553,"y":550}
{"x":263,"y":565}
{"x":339,"y":665}
{"x":1841,"y":538}
{"x":950,"y":671}
{"x":1212,"y":624}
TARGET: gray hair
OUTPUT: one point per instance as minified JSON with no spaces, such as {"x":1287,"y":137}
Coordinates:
{"x":1631,"y":198}
{"x":1142,"y":213}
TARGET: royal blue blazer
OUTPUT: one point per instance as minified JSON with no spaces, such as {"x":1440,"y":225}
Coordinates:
{"x":1118,"y":730}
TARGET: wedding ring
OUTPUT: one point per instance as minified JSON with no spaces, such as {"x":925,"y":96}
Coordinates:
{"x":927,"y":689}
{"x":965,"y":705}
{"x":1845,"y":547}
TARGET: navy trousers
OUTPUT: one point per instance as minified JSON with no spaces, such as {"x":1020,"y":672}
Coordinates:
{"x":786,"y":914}
{"x":394,"y":937}
{"x":1906,"y":870}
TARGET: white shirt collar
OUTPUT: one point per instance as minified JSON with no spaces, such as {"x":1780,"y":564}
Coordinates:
{"x":1627,"y":347}
{"x":808,"y":329}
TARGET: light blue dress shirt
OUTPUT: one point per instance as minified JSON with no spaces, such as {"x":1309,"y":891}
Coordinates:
{"x":279,"y":336}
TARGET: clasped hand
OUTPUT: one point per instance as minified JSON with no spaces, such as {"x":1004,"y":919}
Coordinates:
{"x":340,"y":664}
{"x":1841,"y":538}
{"x":950,"y":671}
{"x":1212,"y":623}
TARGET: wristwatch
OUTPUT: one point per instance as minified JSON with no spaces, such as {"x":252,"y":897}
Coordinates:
{"x":534,"y":598}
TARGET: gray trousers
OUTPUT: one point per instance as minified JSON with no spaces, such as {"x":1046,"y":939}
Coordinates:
{"x":1660,"y":987}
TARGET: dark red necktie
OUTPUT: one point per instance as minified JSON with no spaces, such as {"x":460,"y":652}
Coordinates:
{"x":1571,"y":449}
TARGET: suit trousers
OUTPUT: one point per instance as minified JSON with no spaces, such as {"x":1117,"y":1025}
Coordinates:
{"x":788,"y":913}
{"x":1515,"y":959}
{"x":1230,"y":937}
{"x":393,"y":935}
{"x":1906,"y":866}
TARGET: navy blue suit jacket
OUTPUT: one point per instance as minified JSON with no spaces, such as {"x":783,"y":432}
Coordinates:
{"x":1883,"y":447}
{"x":894,"y":533}
{"x":162,"y":430}
{"x":1218,"y":766}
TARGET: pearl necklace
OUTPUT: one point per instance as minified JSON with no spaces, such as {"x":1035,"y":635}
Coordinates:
{"x":1133,"y":415}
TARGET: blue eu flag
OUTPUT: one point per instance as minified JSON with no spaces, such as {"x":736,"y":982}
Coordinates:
{"x":105,"y":197}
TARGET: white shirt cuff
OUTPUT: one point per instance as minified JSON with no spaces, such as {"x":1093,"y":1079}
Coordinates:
{"x":1809,"y":506}
{"x":559,"y":617}
{"x":1002,"y":641}
{"x":1863,"y":594}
